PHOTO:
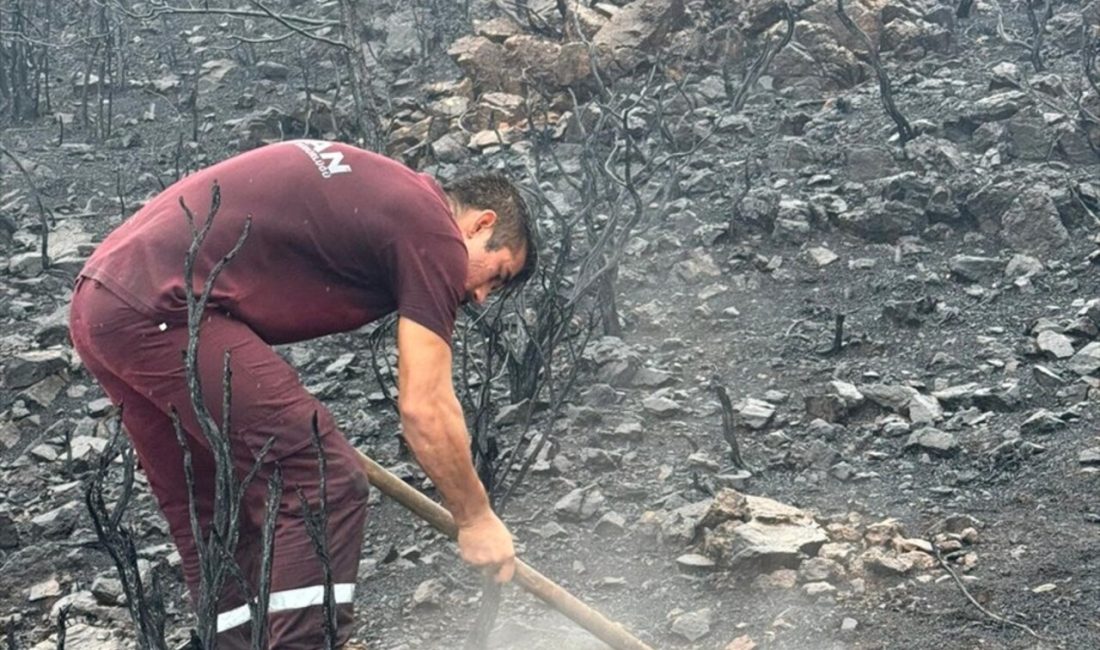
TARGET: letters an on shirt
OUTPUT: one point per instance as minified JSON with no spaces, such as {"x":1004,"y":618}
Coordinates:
{"x":328,"y":163}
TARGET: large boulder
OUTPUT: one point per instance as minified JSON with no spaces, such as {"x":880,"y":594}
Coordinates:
{"x":757,"y":533}
{"x":1031,"y":223}
{"x":634,"y":33}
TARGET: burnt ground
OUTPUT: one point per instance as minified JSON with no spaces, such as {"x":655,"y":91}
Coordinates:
{"x":1036,"y":508}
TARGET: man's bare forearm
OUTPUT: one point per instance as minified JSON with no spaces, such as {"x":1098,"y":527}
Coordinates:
{"x":438,"y":438}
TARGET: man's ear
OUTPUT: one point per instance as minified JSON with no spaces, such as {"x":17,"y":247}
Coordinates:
{"x":486,"y":220}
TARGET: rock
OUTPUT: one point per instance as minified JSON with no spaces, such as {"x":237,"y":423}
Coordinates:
{"x":1031,"y":223}
{"x":953,"y":396}
{"x":53,"y":329}
{"x":214,"y":72}
{"x":513,"y":413}
{"x":780,"y":580}
{"x":822,"y":256}
{"x":1088,"y":457}
{"x":884,"y":563}
{"x":26,"y":265}
{"x":27,"y":368}
{"x":995,"y":107}
{"x":776,"y":535}
{"x":743,"y":642}
{"x":880,"y":221}
{"x":1054,"y":344}
{"x":1023,"y":266}
{"x":86,"y":448}
{"x":693,"y":625}
{"x":894,"y":398}
{"x":547,"y":62}
{"x":43,"y":393}
{"x":924,"y":409}
{"x":1005,"y":75}
{"x":272,"y":70}
{"x":819,"y":569}
{"x":972,"y":268}
{"x":84,"y":637}
{"x":818,"y":588}
{"x":634,"y":32}
{"x":933,"y":440}
{"x":661,"y":405}
{"x":580,"y":504}
{"x":47,"y":589}
{"x":612,"y":524}
{"x":754,"y":413}
{"x":727,"y":505}
{"x":58,"y":522}
{"x":429,"y":594}
{"x":695,"y":562}
{"x":480,"y":59}
{"x":848,"y":624}
{"x":1087,"y":359}
{"x":1042,"y":421}
{"x":108,"y":591}
{"x":9,"y":534}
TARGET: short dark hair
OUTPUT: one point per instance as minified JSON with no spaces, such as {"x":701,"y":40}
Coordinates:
{"x":515,"y":228}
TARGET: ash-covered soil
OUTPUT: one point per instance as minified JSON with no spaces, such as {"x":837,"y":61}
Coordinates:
{"x":940,"y":446}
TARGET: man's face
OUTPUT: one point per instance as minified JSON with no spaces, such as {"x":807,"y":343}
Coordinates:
{"x":488,"y":270}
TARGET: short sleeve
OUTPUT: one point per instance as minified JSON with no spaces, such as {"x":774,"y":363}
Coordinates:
{"x":428,"y":275}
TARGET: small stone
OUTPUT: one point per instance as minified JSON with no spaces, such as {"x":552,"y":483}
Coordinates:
{"x":782,"y":579}
{"x":1087,"y":359}
{"x":819,"y":569}
{"x":693,"y":625}
{"x":1042,"y":421}
{"x":429,"y":594}
{"x":26,"y":265}
{"x":29,"y":368}
{"x":754,"y":413}
{"x":1088,"y":457}
{"x":99,"y":407}
{"x":925,"y":409}
{"x":695,"y":562}
{"x":661,"y":405}
{"x":822,"y":256}
{"x":580,"y":504}
{"x":612,"y":524}
{"x":882,"y":563}
{"x":272,"y":70}
{"x":848,"y":624}
{"x":47,"y":589}
{"x":550,"y":530}
{"x":9,"y":534}
{"x":973,"y":269}
{"x":818,"y":588}
{"x":108,"y":591}
{"x":933,"y":440}
{"x":1054,"y":344}
{"x":743,"y":642}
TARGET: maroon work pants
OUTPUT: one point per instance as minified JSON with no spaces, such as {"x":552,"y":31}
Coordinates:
{"x":138,"y":360}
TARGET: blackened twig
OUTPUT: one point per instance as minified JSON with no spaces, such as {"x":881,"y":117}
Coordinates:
{"x":729,"y":428}
{"x":145,"y":606}
{"x":62,"y":626}
{"x":44,"y":214}
{"x":966,"y":592}
{"x":752,"y":75}
{"x":905,"y":131}
{"x":317,"y":528}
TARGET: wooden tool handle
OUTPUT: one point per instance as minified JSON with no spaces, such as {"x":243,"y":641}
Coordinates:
{"x":531,"y":580}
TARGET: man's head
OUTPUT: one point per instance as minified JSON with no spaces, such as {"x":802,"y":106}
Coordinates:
{"x":498,"y":231}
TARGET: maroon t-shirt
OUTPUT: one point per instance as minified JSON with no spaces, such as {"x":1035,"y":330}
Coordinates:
{"x":340,"y":237}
